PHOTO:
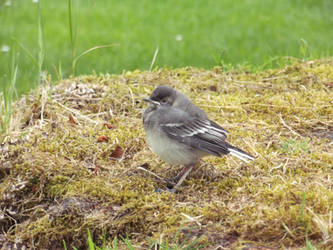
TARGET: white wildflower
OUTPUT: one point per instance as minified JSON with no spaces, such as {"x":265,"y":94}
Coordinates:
{"x":43,"y":74}
{"x":179,"y":37}
{"x":5,"y":48}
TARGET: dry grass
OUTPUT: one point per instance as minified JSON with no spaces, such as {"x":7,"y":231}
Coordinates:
{"x":61,"y":175}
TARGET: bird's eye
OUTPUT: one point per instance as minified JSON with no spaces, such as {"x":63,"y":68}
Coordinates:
{"x":164,"y":101}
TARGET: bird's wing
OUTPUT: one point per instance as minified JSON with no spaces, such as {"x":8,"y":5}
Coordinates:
{"x":202,"y":134}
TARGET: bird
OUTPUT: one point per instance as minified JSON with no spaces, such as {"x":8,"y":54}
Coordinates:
{"x":181,"y":133}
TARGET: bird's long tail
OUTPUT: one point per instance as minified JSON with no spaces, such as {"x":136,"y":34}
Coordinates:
{"x":240,"y":154}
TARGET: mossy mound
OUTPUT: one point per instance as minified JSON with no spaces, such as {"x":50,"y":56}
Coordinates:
{"x":75,"y":156}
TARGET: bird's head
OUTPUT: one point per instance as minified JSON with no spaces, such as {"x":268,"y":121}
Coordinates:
{"x":162,"y":96}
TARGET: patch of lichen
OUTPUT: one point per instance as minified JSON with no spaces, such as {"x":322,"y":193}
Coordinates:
{"x":57,"y":180}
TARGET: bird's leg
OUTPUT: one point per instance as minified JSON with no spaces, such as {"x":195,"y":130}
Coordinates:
{"x":182,"y":175}
{"x":171,"y":182}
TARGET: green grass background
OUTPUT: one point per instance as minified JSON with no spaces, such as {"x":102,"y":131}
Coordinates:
{"x":253,"y":33}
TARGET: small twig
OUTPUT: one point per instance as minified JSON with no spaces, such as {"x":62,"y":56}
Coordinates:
{"x":276,"y":167}
{"x":284,"y":166}
{"x":153,"y":174}
{"x":77,"y":113}
{"x":80,"y":98}
{"x":251,"y":146}
{"x":284,"y":181}
{"x":98,"y":114}
{"x":274,"y":78}
{"x":132,"y":97}
{"x":288,"y":127}
{"x":288,"y":230}
{"x":321,"y":224}
{"x":194,"y":219}
{"x":110,"y":112}
{"x":259,"y":104}
{"x":45,"y":90}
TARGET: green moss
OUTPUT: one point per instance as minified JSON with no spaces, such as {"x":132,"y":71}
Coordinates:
{"x":60,"y":181}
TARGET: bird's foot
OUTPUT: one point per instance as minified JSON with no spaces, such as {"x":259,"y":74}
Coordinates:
{"x":172,"y":190}
{"x":170,"y":182}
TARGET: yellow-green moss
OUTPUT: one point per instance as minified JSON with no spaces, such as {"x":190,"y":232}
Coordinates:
{"x":58,"y":180}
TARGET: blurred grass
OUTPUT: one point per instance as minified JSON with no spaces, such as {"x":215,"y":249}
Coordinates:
{"x":198,"y":33}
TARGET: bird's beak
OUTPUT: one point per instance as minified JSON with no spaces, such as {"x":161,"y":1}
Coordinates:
{"x":151,"y":101}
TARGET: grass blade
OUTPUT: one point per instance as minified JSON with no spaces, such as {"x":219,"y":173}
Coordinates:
{"x":87,"y":52}
{"x":27,"y":52}
{"x":288,"y":230}
{"x":6,"y":98}
{"x":154,"y":59}
{"x":70,"y":22}
{"x":128,"y":243}
{"x":303,"y":207}
{"x":65,"y":246}
{"x":72,"y":33}
{"x":115,"y":243}
{"x":90,"y":241}
{"x":41,"y":50}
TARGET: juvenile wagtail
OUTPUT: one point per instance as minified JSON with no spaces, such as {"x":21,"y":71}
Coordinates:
{"x":181,"y":133}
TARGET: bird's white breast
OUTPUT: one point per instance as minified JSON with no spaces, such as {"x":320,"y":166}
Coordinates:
{"x":169,"y":150}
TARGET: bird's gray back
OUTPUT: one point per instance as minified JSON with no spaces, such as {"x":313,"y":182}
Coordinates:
{"x":183,"y":103}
